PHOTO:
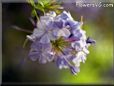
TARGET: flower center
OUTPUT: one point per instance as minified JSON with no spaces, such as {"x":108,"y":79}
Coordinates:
{"x":59,"y":44}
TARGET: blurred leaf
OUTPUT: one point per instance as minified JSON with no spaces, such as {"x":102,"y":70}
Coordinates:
{"x":34,"y":14}
{"x":39,"y":7}
{"x":44,"y":2}
{"x":31,"y":2}
{"x":45,"y":6}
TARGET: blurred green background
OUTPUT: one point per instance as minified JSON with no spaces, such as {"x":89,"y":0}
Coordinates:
{"x":98,"y":68}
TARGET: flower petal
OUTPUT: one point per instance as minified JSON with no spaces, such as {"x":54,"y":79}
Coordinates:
{"x":42,"y":60}
{"x":61,"y":63}
{"x":45,"y":39}
{"x":74,"y":70}
{"x":64,"y":32}
{"x":33,"y":55}
{"x":66,"y":15}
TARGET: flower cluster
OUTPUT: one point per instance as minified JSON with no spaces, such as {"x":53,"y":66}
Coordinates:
{"x":59,"y":38}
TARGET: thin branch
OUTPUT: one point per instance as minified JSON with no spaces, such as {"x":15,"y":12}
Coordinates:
{"x":32,"y":21}
{"x":82,"y":19}
{"x":20,"y":29}
{"x":25,"y":42}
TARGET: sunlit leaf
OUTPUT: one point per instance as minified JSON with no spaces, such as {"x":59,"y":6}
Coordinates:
{"x":45,"y":6}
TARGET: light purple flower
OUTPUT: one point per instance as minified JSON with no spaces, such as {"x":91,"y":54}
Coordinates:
{"x":49,"y":29}
{"x":46,"y":38}
{"x":41,"y":52}
{"x":44,"y":33}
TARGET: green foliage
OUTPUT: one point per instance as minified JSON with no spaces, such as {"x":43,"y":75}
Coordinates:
{"x":47,"y":5}
{"x":44,"y":6}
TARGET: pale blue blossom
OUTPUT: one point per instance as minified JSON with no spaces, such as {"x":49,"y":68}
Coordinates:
{"x":65,"y":16}
{"x":41,"y":52}
{"x":46,"y":46}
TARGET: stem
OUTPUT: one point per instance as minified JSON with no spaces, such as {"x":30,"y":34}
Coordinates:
{"x":36,"y":14}
{"x":66,"y":59}
{"x":18,"y":28}
{"x":25,"y":42}
{"x":33,"y":4}
{"x":82,"y":19}
{"x":44,"y":12}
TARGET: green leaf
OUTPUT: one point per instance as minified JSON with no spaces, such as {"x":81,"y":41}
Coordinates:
{"x":33,"y":13}
{"x":45,"y":2}
{"x":44,"y":6}
{"x":31,"y":2}
{"x":39,"y":7}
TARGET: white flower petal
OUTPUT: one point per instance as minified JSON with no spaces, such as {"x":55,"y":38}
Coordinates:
{"x":31,"y":38}
{"x":82,"y":56}
{"x":64,"y":32}
{"x":38,"y":32}
{"x":86,"y":50}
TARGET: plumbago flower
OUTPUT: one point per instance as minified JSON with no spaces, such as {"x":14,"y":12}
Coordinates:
{"x":59,"y":39}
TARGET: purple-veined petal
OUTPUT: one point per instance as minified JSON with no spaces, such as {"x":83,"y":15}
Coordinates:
{"x":66,"y":15}
{"x":45,"y":39}
{"x":33,"y":55}
{"x":64,"y":32}
{"x":51,"y":35}
{"x":73,"y":24}
{"x":58,"y":23}
{"x":42,"y":60}
{"x":74,"y":70}
{"x":61,"y":63}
